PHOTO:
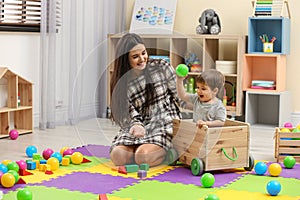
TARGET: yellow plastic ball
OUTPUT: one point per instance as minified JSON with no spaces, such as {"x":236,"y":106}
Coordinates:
{"x":63,"y":150}
{"x":285,"y":130}
{"x":298,"y":126}
{"x":76,"y":158}
{"x":5,"y":162}
{"x":275,"y":169}
{"x":8,"y":180}
{"x":54,"y":163}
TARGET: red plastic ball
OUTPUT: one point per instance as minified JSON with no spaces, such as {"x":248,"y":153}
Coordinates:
{"x":47,"y":153}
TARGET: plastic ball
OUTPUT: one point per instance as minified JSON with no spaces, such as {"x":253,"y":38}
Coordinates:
{"x":15,"y":174}
{"x":182,"y":70}
{"x":62,"y":150}
{"x":30,"y":150}
{"x":1,"y":173}
{"x":68,"y":152}
{"x":260,"y":168}
{"x":22,"y":164}
{"x":289,"y":162}
{"x":288,"y":125}
{"x":24,"y":194}
{"x":54,"y":163}
{"x":5,"y":162}
{"x":296,"y":130}
{"x":8,"y":180}
{"x":275,"y":169}
{"x":285,"y":130}
{"x":47,"y":153}
{"x":13,"y":134}
{"x":3,"y":168}
{"x":211,"y":197}
{"x":273,"y":187}
{"x":207,"y":180}
{"x":13,"y":166}
{"x":57,"y":155}
{"x":76,"y":158}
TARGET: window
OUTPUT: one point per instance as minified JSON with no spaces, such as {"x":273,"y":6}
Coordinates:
{"x":22,"y":15}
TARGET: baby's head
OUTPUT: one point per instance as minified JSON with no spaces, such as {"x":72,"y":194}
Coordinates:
{"x":213,"y":78}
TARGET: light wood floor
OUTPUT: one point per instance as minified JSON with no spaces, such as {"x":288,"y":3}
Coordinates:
{"x":101,"y":131}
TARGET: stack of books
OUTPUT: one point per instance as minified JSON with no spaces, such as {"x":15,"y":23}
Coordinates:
{"x":263,"y":84}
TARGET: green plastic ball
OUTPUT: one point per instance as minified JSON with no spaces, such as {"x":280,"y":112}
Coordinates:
{"x":24,"y":194}
{"x":211,"y":197}
{"x":182,"y":70}
{"x":289,"y":162}
{"x":207,"y":180}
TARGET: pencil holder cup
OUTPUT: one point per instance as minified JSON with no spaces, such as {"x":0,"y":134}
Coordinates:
{"x":268,"y":47}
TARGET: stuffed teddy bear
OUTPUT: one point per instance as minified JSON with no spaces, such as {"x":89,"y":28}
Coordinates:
{"x":209,"y":23}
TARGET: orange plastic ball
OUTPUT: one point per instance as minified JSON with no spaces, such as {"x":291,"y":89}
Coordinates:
{"x":76,"y":158}
{"x":275,"y":169}
{"x":8,"y":180}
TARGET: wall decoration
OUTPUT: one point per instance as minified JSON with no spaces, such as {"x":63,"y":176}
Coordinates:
{"x":153,"y":17}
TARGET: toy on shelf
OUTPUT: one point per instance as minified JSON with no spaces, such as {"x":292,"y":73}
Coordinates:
{"x":270,"y":8}
{"x":193,"y":62}
{"x":267,"y":44}
{"x":209,"y":23}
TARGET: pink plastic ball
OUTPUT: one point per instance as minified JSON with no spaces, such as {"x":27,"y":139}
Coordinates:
{"x":22,"y":164}
{"x":47,"y":153}
{"x":68,"y":152}
{"x":13,"y":134}
{"x":288,"y":125}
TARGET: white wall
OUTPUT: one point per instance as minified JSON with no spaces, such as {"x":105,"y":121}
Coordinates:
{"x":234,"y":20}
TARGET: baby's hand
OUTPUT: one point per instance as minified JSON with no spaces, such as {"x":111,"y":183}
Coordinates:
{"x":200,"y":123}
{"x":137,"y":131}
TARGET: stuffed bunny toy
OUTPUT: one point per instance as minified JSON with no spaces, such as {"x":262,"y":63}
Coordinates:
{"x":209,"y":23}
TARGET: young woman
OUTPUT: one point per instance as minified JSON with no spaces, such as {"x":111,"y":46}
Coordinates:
{"x":143,"y":103}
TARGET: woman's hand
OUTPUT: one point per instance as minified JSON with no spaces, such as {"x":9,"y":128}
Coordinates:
{"x":137,"y":131}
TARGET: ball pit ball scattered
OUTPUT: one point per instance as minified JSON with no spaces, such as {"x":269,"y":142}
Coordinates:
{"x":273,"y":187}
{"x":30,"y":150}
{"x":289,"y":162}
{"x":275,"y":169}
{"x":68,"y":152}
{"x":76,"y":158}
{"x":3,"y":168}
{"x":8,"y":180}
{"x":5,"y":162}
{"x":13,"y":134}
{"x":24,"y":194}
{"x":22,"y":164}
{"x":13,"y":166}
{"x":285,"y":130}
{"x":288,"y":125}
{"x":54,"y":163}
{"x":260,"y":168}
{"x":182,"y":70}
{"x":57,"y":155}
{"x":15,"y":174}
{"x":47,"y":153}
{"x":207,"y":180}
{"x":62,"y":150}
{"x":211,"y":197}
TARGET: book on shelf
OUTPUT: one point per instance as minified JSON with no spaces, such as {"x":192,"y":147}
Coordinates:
{"x":262,"y":82}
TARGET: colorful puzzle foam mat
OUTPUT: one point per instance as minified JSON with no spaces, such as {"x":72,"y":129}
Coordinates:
{"x":88,"y":180}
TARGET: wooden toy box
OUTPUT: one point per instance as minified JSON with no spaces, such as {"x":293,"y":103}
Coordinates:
{"x":216,"y":148}
{"x":287,"y":143}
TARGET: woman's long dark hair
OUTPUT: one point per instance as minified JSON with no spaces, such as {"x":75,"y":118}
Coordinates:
{"x":120,"y":78}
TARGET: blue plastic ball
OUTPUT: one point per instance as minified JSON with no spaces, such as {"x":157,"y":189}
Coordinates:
{"x":57,"y":155}
{"x":30,"y":150}
{"x":273,"y":188}
{"x":3,"y":168}
{"x":260,"y":168}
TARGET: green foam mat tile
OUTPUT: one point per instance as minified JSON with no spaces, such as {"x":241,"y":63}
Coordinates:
{"x":151,"y":189}
{"x":50,"y":193}
{"x":255,"y":183}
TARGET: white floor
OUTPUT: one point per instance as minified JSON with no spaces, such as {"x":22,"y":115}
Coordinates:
{"x":101,"y":131}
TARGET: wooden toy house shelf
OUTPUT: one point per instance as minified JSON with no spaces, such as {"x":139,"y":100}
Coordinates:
{"x":208,"y":48}
{"x":16,"y":114}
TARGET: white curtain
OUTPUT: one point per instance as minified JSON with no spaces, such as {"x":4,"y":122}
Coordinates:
{"x":73,"y":60}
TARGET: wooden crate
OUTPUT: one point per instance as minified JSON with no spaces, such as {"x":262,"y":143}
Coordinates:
{"x":287,"y":143}
{"x":209,"y":144}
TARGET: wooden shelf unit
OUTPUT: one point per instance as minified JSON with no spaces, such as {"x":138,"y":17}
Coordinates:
{"x":16,"y":115}
{"x":208,"y":49}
